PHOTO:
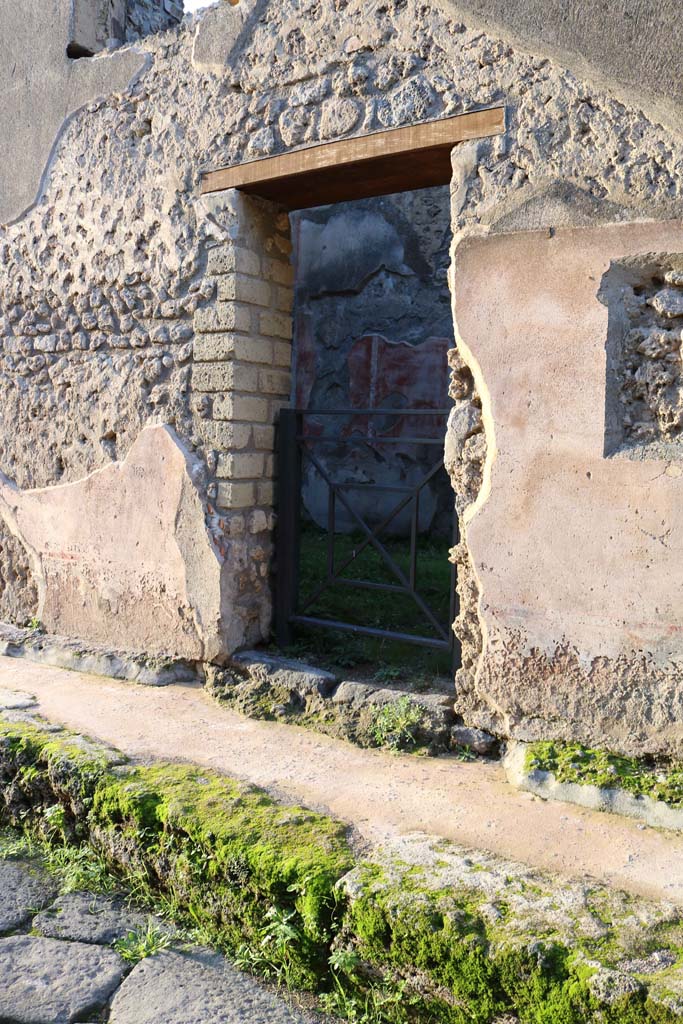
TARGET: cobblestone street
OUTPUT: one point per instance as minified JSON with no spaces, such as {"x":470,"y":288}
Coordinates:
{"x":58,"y":964}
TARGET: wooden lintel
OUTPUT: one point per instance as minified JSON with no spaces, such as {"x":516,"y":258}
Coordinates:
{"x":397,"y":160}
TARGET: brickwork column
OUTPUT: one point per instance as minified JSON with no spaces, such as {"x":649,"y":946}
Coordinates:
{"x":241,"y":380}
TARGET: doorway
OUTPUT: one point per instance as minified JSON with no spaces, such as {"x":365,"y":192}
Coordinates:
{"x":366,"y":515}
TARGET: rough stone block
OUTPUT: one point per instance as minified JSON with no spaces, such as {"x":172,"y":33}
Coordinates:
{"x":284,"y":299}
{"x":227,"y":259}
{"x":238,"y":287}
{"x":278,"y":271}
{"x":224,"y":436}
{"x":222,"y":316}
{"x":22,"y":886}
{"x":235,"y":495}
{"x":46,"y":980}
{"x":224,"y":377}
{"x":249,"y":408}
{"x":264,"y":437}
{"x":276,"y":325}
{"x":265,"y":492}
{"x":275,"y":382}
{"x":254,"y":350}
{"x":242,"y":465}
{"x":83,"y":917}
{"x":214,"y":347}
{"x":282,"y":353}
{"x":196,"y":988}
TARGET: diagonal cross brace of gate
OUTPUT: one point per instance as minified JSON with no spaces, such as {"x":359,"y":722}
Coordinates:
{"x":371,"y":537}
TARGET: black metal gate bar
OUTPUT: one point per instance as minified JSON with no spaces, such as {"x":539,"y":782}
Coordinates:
{"x":381,"y":634}
{"x":294,"y":445}
{"x":377,"y":544}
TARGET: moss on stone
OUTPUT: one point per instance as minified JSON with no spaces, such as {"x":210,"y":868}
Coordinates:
{"x":225,"y":854}
{"x":572,"y":762}
{"x":435,"y":935}
{"x":228,"y":853}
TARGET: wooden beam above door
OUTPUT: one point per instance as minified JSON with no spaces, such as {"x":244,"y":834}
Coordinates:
{"x":398,"y":160}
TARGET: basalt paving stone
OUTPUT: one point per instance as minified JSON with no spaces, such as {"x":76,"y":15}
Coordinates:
{"x":195,"y":988}
{"x":82,"y":917}
{"x":24,"y":889}
{"x":43,"y":981}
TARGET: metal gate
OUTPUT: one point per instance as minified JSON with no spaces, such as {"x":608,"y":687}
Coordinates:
{"x":296,"y":444}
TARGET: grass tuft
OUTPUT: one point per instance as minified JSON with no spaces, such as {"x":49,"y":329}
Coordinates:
{"x":142,"y":942}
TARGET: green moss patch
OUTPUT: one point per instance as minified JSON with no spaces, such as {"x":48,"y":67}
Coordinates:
{"x":427,"y":932}
{"x":571,"y":762}
{"x":224,"y":855}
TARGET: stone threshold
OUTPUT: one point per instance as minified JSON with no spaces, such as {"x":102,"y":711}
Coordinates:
{"x":270,"y":687}
{"x":420,"y":926}
{"x":607,"y":799}
{"x":265,"y":686}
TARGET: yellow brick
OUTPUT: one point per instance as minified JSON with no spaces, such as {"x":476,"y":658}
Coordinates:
{"x":241,"y":465}
{"x":249,"y":408}
{"x":275,"y":382}
{"x":213,"y":347}
{"x":254,"y":350}
{"x":225,"y":259}
{"x":276,"y":325}
{"x":235,"y":495}
{"x":265,"y":492}
{"x":237,"y":287}
{"x":225,"y":436}
{"x":264,"y":437}
{"x":223,"y":316}
{"x":282,"y":353}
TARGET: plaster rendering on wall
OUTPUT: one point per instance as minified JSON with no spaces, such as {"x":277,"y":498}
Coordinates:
{"x":127,"y":299}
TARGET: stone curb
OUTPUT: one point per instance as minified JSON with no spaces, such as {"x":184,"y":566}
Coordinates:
{"x":454,"y":934}
{"x":64,"y":652}
{"x":596,"y":798}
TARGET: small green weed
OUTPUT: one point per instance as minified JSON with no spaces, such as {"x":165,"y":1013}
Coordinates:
{"x":387,"y":674}
{"x":77,"y":868}
{"x":374,"y":1007}
{"x":142,"y":942}
{"x":466,"y":754}
{"x":34,"y":624}
{"x":15,"y":844}
{"x":395,"y":725}
{"x":272,"y":958}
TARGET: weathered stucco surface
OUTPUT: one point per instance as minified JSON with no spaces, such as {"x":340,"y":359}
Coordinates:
{"x":40,"y":88}
{"x":634,"y":45}
{"x":124,"y":557}
{"x":125,"y":299}
{"x":577,"y":555}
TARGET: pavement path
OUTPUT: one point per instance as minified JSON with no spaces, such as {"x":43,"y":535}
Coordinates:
{"x":57,"y":965}
{"x":382,"y":795}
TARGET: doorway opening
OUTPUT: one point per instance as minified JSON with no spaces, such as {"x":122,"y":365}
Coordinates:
{"x":366,"y":511}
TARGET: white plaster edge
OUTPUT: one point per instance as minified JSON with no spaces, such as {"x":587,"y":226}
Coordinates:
{"x":146,"y":63}
{"x":543,"y":784}
{"x":9,"y":494}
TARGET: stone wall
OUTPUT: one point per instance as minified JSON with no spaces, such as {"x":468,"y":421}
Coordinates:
{"x":101,"y":280}
{"x":100,"y":24}
{"x":576,"y":554}
{"x":144,"y":17}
